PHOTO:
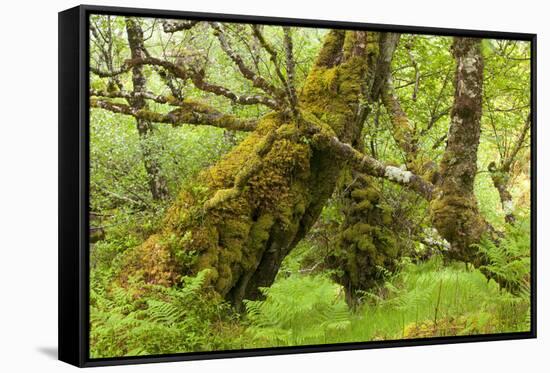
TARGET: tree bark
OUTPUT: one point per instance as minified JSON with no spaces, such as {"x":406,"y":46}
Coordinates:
{"x":454,"y":210}
{"x":157,"y":183}
{"x":247,"y":212}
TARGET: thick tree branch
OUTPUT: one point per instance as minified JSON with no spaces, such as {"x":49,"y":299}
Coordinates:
{"x":369,"y":165}
{"x":379,"y":62}
{"x":170,"y":26}
{"x":454,"y":210}
{"x":501,"y":175}
{"x":132,"y":95}
{"x":501,"y":181}
{"x":388,"y":44}
{"x":109,"y":74}
{"x":193,"y":113}
{"x":157,"y":182}
{"x":200,"y":83}
{"x":402,"y":129}
{"x":175,"y":69}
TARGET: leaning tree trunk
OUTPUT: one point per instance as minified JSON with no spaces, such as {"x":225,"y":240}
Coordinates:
{"x":454,"y":210}
{"x":242,"y":216}
{"x":157,"y":183}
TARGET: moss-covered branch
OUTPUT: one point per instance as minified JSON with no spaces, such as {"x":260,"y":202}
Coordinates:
{"x":402,"y":129}
{"x":197,"y":77}
{"x":388,"y":44}
{"x":365,"y":247}
{"x":168,"y":100}
{"x":518,"y":145}
{"x":190,"y":112}
{"x":501,"y":181}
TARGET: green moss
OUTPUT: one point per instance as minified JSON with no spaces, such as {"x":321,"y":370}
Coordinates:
{"x":331,"y":94}
{"x":332,"y":47}
{"x":364,"y":243}
{"x":362,"y":206}
{"x":216,"y":218}
{"x":364,"y":194}
{"x":366,"y":247}
{"x":387,"y":218}
{"x":457,"y":219}
{"x":259,"y":234}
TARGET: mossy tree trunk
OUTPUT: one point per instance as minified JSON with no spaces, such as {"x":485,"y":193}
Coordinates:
{"x":245,"y":214}
{"x":454,"y":210}
{"x":364,"y":248}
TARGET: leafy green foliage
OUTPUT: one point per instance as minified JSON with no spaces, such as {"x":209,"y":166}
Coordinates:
{"x":510,"y":260}
{"x":155,"y":320}
{"x":118,"y":177}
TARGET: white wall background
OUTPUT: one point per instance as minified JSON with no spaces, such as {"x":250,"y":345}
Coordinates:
{"x":28,"y":185}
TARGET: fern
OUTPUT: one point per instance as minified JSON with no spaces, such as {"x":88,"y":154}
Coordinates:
{"x":421,"y":300}
{"x":509,"y":261}
{"x":160,"y":321}
{"x":298,"y":310}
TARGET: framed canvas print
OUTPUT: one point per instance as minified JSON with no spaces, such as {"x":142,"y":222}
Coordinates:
{"x":237,"y":186}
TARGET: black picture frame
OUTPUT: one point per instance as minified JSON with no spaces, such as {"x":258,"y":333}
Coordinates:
{"x":74,"y":190}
